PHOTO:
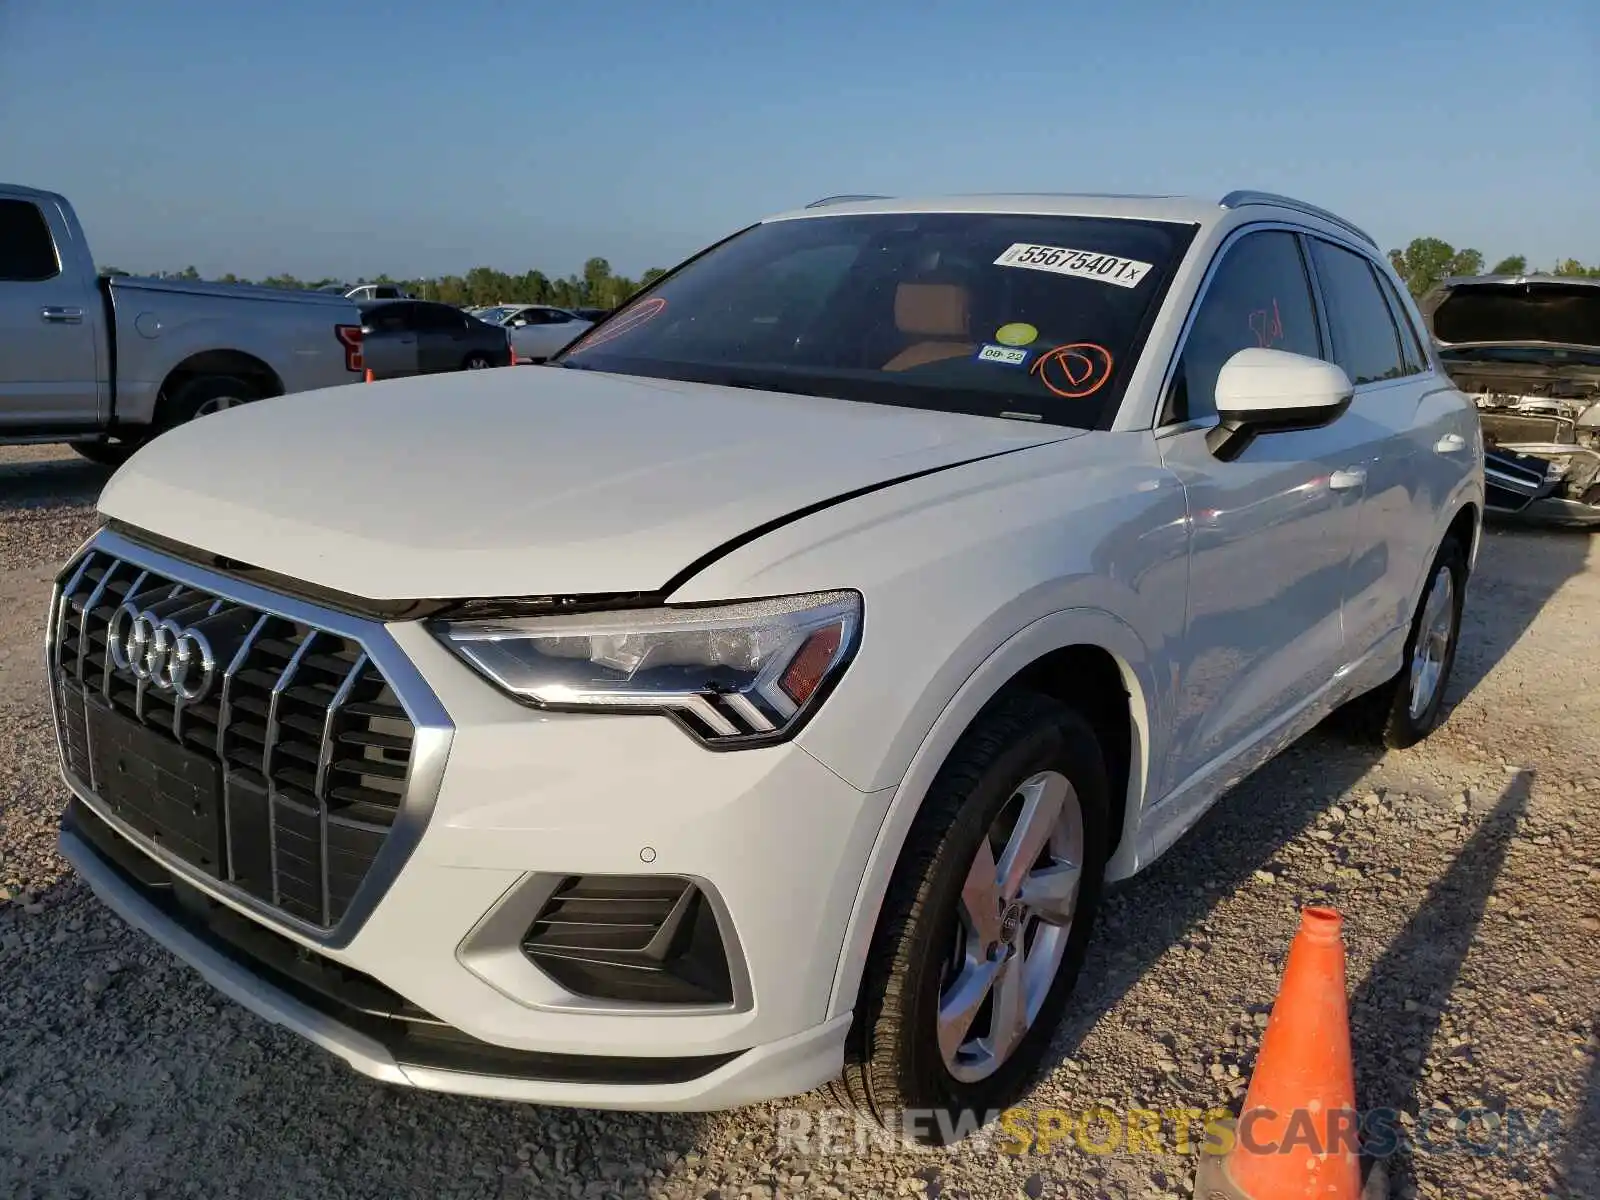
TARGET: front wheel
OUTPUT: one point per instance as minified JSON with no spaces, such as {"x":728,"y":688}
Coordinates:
{"x":1407,"y":707}
{"x":106,"y":454}
{"x":985,"y":925}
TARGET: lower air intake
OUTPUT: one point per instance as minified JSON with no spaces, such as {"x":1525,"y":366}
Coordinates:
{"x":650,"y":939}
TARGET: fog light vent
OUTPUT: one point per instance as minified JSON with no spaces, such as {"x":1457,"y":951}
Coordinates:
{"x":650,"y":939}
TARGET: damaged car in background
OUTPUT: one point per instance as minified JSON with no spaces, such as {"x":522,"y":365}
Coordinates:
{"x":1527,"y":350}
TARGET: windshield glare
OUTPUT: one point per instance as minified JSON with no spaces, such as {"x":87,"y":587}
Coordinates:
{"x":1031,"y":317}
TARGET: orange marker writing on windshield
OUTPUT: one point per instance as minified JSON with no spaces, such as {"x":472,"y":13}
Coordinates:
{"x":1074,"y":371}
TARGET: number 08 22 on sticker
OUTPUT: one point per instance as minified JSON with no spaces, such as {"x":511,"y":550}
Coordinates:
{"x":1084,"y":264}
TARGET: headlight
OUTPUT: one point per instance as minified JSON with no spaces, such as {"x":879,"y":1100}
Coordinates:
{"x":731,"y":674}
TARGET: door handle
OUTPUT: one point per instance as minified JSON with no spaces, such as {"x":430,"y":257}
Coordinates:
{"x":61,"y":316}
{"x":1343,"y":481}
{"x":1450,"y":443}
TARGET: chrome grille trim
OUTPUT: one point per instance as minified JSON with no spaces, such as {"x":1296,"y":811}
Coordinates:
{"x":347,"y":896}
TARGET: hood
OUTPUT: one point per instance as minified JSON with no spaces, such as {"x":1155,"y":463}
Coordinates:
{"x":1535,"y":335}
{"x":520,"y":482}
{"x":1550,"y":310}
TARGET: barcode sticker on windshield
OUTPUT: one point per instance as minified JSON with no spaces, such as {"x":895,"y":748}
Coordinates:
{"x":1084,"y":264}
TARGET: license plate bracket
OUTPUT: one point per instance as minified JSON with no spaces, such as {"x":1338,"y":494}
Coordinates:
{"x":165,"y":792}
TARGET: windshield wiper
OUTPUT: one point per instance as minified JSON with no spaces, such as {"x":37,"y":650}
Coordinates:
{"x":753,"y":386}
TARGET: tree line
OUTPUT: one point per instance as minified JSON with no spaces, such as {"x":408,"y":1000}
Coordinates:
{"x":1427,"y":260}
{"x":1422,"y":264}
{"x":597,"y":287}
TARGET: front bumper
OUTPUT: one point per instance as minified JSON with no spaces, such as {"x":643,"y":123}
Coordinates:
{"x":1524,"y":486}
{"x":444,"y":997}
{"x":788,"y":1067}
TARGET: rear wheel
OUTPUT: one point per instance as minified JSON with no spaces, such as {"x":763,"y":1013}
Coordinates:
{"x":477,"y":361}
{"x":986,"y":922}
{"x":201,"y":397}
{"x":1407,"y":708}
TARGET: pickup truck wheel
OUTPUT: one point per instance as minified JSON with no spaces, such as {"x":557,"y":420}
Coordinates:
{"x":985,"y":925}
{"x":199,"y":397}
{"x":1407,"y":707}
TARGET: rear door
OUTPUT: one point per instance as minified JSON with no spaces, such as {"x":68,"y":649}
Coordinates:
{"x":1411,"y":441}
{"x":389,"y":340}
{"x":1271,"y":529}
{"x":441,"y":337}
{"x":484,"y":339}
{"x":49,"y":323}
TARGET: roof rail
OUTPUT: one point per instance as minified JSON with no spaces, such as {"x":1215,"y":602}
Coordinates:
{"x":844,"y":199}
{"x":1243,"y":197}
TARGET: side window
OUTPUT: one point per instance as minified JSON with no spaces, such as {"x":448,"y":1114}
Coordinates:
{"x":27,"y":251}
{"x":1411,"y":351}
{"x":1258,"y":297}
{"x":1365,"y":342}
{"x":439,"y":317}
{"x":388,"y":318}
{"x":553,"y":316}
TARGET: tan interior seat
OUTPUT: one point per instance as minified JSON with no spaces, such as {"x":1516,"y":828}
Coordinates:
{"x":939,"y":316}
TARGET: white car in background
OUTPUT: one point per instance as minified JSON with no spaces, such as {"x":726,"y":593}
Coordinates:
{"x":763,"y":693}
{"x":368,"y":292}
{"x":537,"y":330}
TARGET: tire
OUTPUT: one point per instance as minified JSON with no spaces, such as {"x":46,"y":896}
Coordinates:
{"x":198,"y":397}
{"x":924,"y":944}
{"x":477,"y":361}
{"x":1387,"y":715}
{"x":107,"y":454}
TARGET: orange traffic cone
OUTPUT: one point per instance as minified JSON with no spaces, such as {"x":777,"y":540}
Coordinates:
{"x":1297,"y":1137}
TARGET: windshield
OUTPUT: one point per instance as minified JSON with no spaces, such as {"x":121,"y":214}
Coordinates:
{"x":1037,"y":318}
{"x":493,"y":315}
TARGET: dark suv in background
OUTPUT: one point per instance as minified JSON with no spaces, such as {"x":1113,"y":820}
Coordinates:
{"x":419,"y":337}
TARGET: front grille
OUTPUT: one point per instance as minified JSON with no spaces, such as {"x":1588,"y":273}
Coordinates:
{"x":1503,"y":427}
{"x":282,"y":777}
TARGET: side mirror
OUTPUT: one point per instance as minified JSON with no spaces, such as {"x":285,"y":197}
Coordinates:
{"x":518,"y":323}
{"x":1273,"y":391}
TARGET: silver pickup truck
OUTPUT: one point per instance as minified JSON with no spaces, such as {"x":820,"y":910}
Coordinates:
{"x":105,"y":364}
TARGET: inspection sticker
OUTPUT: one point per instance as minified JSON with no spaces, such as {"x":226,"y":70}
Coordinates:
{"x":1010,"y":356}
{"x":1084,"y":264}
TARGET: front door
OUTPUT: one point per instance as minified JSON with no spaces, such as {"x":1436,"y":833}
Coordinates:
{"x":1271,"y":531}
{"x":49,"y":327}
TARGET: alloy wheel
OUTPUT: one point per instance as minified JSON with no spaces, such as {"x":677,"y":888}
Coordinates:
{"x":1435,"y":632}
{"x":219,"y":404}
{"x":1015,"y":914}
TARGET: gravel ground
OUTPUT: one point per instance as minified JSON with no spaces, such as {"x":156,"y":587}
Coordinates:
{"x":1468,"y":870}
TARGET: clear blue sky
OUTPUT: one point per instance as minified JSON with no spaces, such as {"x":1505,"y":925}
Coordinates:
{"x":320,"y":137}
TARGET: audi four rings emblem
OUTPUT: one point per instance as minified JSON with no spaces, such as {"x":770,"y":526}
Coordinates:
{"x":161,"y":653}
